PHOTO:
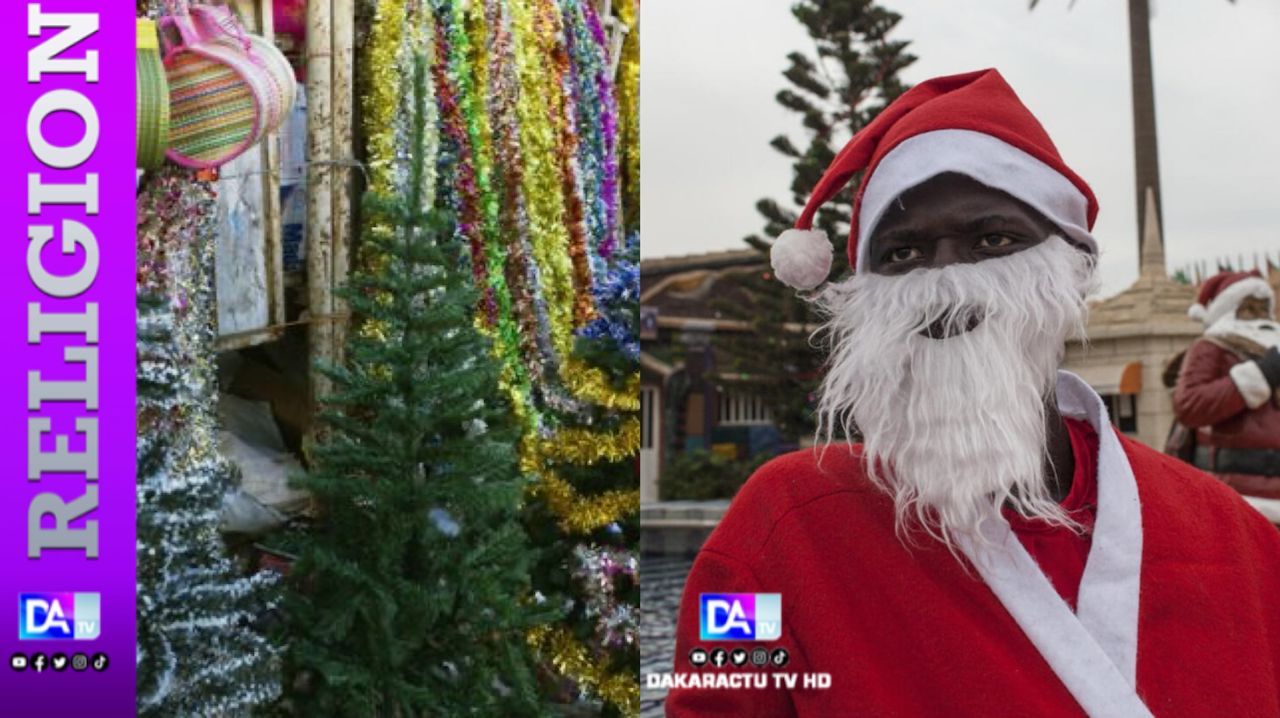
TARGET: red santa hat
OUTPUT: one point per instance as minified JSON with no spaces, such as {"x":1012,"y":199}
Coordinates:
{"x":972,"y":124}
{"x":1221,"y":294}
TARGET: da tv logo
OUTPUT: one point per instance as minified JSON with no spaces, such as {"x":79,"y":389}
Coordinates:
{"x":59,"y":616}
{"x":740,"y":616}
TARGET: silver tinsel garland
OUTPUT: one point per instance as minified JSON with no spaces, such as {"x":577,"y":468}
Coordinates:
{"x":198,"y":652}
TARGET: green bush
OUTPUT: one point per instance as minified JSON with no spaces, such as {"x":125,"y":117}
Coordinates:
{"x":700,"y":475}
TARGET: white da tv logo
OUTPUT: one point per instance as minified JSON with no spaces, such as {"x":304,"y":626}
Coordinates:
{"x":59,"y":616}
{"x":54,"y":620}
{"x":740,"y":616}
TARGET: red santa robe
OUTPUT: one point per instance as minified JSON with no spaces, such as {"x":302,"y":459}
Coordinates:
{"x":1178,"y":609}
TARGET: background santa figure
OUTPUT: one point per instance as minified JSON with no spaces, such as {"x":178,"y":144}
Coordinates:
{"x":1226,"y":387}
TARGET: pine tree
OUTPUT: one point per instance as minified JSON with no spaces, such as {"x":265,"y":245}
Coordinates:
{"x":198,"y":651}
{"x":411,"y":597}
{"x":853,"y":76}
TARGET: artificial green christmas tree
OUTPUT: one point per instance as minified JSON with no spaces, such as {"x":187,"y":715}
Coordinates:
{"x":411,"y":596}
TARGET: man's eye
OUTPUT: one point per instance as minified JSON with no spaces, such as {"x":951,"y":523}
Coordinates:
{"x":904,"y":254}
{"x":995,"y":241}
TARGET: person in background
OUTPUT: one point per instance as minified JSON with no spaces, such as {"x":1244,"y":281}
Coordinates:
{"x":1226,"y":387}
{"x":994,"y":547}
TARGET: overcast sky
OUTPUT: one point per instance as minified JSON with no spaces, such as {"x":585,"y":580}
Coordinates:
{"x":710,"y":69}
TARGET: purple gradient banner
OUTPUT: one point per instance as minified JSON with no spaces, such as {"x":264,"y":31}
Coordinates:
{"x":67,"y":420}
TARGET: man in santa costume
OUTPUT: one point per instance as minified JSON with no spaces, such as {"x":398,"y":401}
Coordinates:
{"x":993,"y":547}
{"x":1226,"y":387}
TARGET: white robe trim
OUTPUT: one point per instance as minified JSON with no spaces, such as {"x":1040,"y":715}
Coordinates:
{"x":1094,"y":651}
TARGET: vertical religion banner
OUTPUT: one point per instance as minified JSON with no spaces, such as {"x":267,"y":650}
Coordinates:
{"x":67,"y":420}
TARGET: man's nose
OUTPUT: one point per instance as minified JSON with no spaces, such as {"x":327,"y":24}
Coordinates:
{"x":947,"y":250}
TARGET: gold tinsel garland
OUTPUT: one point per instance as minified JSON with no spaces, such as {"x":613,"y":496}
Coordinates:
{"x":381,"y":101}
{"x":629,"y":109}
{"x":593,"y":385}
{"x":541,"y":182}
{"x":582,"y":515}
{"x":571,"y":658}
{"x":575,"y":513}
{"x":585,"y":447}
{"x":380,"y":105}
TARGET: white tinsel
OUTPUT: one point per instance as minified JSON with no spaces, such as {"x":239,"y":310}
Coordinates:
{"x":444,"y":522}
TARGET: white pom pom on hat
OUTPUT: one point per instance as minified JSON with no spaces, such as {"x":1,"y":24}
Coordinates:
{"x":972,"y":124}
{"x":801,"y":258}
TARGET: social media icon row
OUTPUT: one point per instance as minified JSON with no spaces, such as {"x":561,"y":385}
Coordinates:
{"x":39,"y":662}
{"x":738,"y":657}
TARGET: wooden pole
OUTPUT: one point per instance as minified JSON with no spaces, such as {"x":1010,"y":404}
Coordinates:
{"x":344,"y":16}
{"x":271,"y":220}
{"x":319,"y":190}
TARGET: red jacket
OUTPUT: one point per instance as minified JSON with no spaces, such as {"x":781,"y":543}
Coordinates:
{"x":1209,"y":396}
{"x":916,"y":632}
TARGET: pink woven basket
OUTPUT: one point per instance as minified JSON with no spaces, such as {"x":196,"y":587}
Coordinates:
{"x":227,"y":89}
{"x":215,"y":103}
{"x":217,"y":23}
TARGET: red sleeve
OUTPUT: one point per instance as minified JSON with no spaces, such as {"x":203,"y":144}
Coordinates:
{"x":716,"y":572}
{"x":1205,"y":394}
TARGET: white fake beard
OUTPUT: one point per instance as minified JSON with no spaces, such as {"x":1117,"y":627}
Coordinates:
{"x":954,"y":428}
{"x":1264,"y":332}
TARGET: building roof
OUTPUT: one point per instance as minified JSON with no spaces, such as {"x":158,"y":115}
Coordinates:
{"x":693,"y":294}
{"x":686,"y":286}
{"x":660,"y":267}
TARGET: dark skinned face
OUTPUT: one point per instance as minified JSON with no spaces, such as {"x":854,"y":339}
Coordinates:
{"x":952,"y":219}
{"x":1253,"y":308}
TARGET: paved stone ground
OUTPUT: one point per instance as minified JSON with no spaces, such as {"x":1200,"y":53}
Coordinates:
{"x":660,"y":590}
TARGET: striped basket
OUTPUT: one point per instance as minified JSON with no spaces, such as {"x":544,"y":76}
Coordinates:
{"x":216,"y":101}
{"x":153,"y":98}
{"x":217,"y":23}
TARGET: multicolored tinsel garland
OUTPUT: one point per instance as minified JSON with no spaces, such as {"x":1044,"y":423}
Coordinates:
{"x":512,"y":231}
{"x":599,"y":568}
{"x":531,"y":137}
{"x":462,"y":71}
{"x":564,"y":115}
{"x":398,"y":36}
{"x":617,"y":294}
{"x":453,"y":75}
{"x":596,"y":124}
